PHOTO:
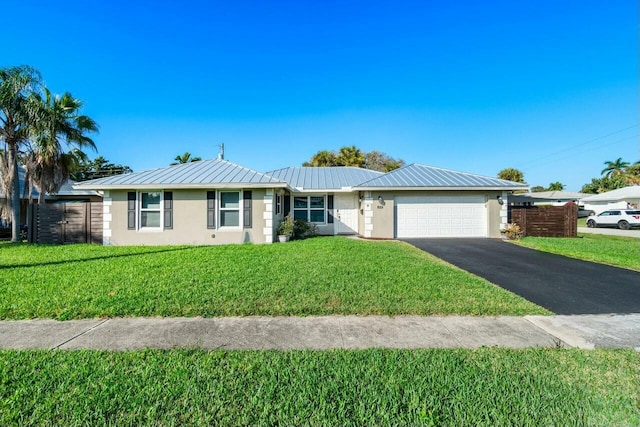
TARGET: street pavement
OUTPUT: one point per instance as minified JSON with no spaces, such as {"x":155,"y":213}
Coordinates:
{"x":324,"y":332}
{"x":611,"y":231}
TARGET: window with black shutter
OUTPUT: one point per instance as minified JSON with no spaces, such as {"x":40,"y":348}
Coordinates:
{"x":246,"y":208}
{"x":168,"y":210}
{"x":131,"y":210}
{"x":211,"y":209}
{"x":287,"y":204}
{"x":330,"y":209}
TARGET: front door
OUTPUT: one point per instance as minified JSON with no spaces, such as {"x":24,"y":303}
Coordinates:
{"x":346,"y":213}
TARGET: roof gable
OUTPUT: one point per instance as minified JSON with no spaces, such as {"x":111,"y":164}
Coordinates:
{"x":416,"y":176}
{"x":324,"y":178}
{"x":204,"y":173}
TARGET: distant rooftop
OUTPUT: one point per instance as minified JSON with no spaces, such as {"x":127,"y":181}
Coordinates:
{"x":630,"y":192}
{"x":324,"y":178}
{"x":416,"y":176}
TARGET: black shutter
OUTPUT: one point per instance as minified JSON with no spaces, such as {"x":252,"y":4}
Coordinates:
{"x":330,"y":209}
{"x":168,"y":210}
{"x":287,"y":205}
{"x":246,"y":208}
{"x":211,"y":209}
{"x":131,"y":210}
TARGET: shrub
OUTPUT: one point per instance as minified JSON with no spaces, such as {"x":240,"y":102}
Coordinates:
{"x":303,"y":229}
{"x":287,"y":227}
{"x":512,"y":231}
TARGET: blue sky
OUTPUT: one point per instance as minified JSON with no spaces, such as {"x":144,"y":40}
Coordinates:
{"x":549,"y":87}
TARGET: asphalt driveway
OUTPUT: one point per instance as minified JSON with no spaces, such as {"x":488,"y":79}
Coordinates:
{"x":558,"y":283}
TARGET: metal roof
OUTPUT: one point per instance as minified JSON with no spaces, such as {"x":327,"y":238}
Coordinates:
{"x":417,"y":176}
{"x":324,"y":178}
{"x":630,"y":192}
{"x":200,"y":174}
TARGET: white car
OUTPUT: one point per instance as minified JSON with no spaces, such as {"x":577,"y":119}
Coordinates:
{"x":624,"y":219}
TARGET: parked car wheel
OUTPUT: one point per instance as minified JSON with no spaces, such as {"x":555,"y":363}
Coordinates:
{"x":623,"y":225}
{"x":591,"y":223}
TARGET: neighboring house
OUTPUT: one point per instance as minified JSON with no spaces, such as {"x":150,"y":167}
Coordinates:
{"x":216,"y":202}
{"x":615,"y":199}
{"x":66,"y":194}
{"x":555,"y":198}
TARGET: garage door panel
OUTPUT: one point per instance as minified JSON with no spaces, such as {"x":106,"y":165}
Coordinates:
{"x":441,"y":216}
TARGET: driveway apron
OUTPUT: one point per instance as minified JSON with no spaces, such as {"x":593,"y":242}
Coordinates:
{"x":558,"y":283}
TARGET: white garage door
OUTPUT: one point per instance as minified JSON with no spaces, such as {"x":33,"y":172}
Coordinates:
{"x":441,"y":216}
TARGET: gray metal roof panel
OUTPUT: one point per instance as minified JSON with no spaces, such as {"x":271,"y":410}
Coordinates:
{"x":420,"y":176}
{"x":324,"y":178}
{"x":204,"y":172}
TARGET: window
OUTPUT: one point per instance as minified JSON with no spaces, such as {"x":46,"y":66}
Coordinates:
{"x":309,"y":208}
{"x":150,"y":209}
{"x":229,"y":209}
{"x":278,"y":204}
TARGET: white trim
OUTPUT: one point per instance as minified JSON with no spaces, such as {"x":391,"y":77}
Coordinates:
{"x":308,"y":209}
{"x":368,"y":214}
{"x":139,"y":212}
{"x":240,"y":210}
{"x":107,"y":202}
{"x":268,"y":216}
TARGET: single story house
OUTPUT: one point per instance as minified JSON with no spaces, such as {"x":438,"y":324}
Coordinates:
{"x":615,"y":199}
{"x":217,"y":201}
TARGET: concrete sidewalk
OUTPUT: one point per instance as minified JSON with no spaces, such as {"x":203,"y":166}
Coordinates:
{"x":328,"y":332}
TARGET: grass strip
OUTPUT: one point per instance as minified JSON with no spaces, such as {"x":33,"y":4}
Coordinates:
{"x":320,"y":276}
{"x":611,"y":250}
{"x":483,"y":387}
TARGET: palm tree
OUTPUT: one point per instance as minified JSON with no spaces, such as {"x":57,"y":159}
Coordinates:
{"x":17,"y":85}
{"x":350,"y":156}
{"x":556,"y":186}
{"x":60,"y":125}
{"x":511,"y":174}
{"x":614,"y":168}
{"x":185,"y":158}
{"x":632,"y":174}
{"x":322,"y":158}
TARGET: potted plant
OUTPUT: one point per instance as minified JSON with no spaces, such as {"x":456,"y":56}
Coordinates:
{"x":285,"y":229}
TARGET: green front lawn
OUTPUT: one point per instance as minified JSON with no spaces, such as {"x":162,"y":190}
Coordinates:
{"x":484,"y":387}
{"x":612,"y":250}
{"x":313,"y":277}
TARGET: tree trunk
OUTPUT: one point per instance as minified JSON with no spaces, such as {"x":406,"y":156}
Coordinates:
{"x":15,"y":195}
{"x":40,"y":197}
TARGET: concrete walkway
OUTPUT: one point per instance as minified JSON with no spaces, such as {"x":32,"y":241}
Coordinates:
{"x":328,"y":332}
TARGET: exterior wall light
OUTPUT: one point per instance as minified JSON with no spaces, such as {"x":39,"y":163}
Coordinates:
{"x":500,"y":201}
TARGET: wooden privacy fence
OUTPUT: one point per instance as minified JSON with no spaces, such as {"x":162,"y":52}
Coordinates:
{"x":546,"y":221}
{"x":65,"y":223}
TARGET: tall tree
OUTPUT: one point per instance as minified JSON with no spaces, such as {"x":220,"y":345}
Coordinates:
{"x":379,"y":161}
{"x":58,"y":140}
{"x":614,"y":168}
{"x":556,"y":186}
{"x":350,"y":156}
{"x":17,"y":117}
{"x":537,"y":189}
{"x":604,"y":184}
{"x":511,"y":174}
{"x":185,"y":158}
{"x":353,"y":156}
{"x":98,"y":168}
{"x":632,"y":174}
{"x":322,"y":158}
